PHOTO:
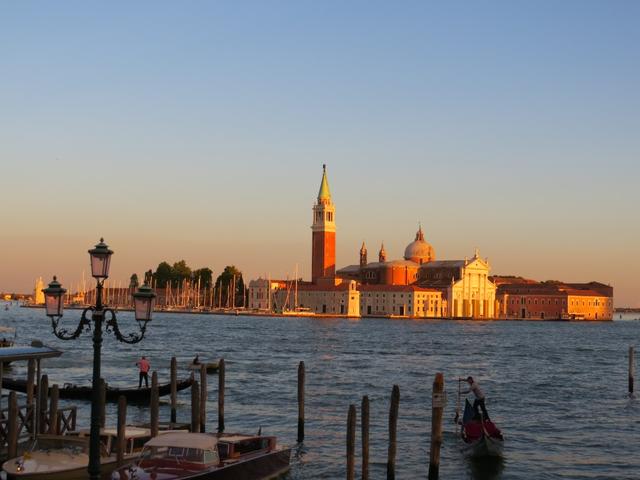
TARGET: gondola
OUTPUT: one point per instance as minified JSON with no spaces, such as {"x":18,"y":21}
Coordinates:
{"x":75,"y":392}
{"x":481,"y":437}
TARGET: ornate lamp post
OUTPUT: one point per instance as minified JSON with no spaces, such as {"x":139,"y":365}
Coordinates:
{"x":144,"y":301}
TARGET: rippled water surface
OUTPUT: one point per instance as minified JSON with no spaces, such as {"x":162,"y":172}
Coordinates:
{"x":558,"y":390}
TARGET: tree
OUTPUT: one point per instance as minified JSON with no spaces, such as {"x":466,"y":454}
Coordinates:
{"x":205,"y":275}
{"x":163,"y":274}
{"x":226,"y":295}
{"x":133,"y":283}
{"x":180,"y":272}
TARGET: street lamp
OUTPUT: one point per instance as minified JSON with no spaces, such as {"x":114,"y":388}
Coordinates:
{"x":144,"y":301}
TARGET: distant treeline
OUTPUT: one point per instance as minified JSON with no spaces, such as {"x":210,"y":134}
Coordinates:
{"x":228,"y":289}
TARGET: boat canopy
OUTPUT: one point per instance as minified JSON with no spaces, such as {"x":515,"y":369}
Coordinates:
{"x":12,"y":354}
{"x":202,"y":441}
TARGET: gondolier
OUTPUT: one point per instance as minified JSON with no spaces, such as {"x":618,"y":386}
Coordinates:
{"x":479,"y":400}
{"x":144,"y":366}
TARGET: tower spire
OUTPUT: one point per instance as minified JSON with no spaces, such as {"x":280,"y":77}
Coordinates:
{"x":363,"y":255}
{"x":324,"y":194}
{"x":382,"y":254}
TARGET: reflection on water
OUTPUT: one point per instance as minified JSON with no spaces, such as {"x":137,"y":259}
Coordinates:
{"x":557,"y":390}
{"x":487,"y":468}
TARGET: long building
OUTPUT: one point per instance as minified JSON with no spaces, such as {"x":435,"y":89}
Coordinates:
{"x":520,"y":298}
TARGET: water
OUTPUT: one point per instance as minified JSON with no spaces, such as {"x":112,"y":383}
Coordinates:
{"x":558,"y":390}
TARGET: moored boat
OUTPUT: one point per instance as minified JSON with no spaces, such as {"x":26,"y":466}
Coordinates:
{"x":75,"y":392}
{"x":62,"y":457}
{"x":201,"y":456}
{"x":212,"y":367}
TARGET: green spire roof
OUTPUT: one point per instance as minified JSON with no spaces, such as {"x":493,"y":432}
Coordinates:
{"x":324,"y":193}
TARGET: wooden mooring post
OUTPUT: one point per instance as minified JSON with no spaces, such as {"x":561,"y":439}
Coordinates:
{"x":351,"y":442}
{"x":12,"y":430}
{"x":31,"y":415}
{"x":365,"y":437}
{"x":393,"y":432}
{"x":53,"y":410}
{"x":154,"y":408}
{"x":203,"y":397}
{"x":221,"y":373}
{"x":174,"y":388}
{"x":437,"y":406}
{"x":43,"y":398}
{"x":122,"y":422}
{"x":195,"y":407}
{"x":632,"y":368}
{"x":301,"y":375}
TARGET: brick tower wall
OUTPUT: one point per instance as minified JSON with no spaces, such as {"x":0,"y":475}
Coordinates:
{"x":323,"y":263}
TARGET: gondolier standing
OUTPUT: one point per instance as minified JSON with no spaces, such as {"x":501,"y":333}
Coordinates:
{"x":144,"y":366}
{"x":479,"y":400}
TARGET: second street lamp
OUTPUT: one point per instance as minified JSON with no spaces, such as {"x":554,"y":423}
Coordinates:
{"x":144,"y":300}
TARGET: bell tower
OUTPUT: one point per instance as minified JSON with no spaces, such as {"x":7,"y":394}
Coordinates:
{"x":323,"y":249}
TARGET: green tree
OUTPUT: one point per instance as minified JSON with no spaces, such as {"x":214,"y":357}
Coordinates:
{"x":180,"y":272}
{"x":226,"y":295}
{"x":205,"y":275}
{"x":163,"y":274}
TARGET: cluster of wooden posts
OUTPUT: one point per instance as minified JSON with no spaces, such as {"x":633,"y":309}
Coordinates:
{"x":438,"y":402}
{"x":40,"y":414}
{"x":436,"y":433}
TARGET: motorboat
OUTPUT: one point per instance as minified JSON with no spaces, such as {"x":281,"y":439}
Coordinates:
{"x":62,"y":457}
{"x":480,"y":436}
{"x":202,"y":456}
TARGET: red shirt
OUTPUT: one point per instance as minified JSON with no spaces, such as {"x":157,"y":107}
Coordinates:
{"x":144,"y":365}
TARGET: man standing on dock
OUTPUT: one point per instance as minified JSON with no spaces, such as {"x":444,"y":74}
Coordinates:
{"x":479,"y":401}
{"x":144,"y":366}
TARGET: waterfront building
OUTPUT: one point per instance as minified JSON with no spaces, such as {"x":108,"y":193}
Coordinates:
{"x":339,"y":298}
{"x":262,"y":293}
{"x":417,"y":285}
{"x":528,"y":299}
{"x":400,"y":301}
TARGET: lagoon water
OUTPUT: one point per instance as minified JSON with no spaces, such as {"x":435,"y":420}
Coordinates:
{"x":557,"y":389}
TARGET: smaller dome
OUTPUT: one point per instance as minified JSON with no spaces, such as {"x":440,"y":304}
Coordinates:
{"x":419,"y":250}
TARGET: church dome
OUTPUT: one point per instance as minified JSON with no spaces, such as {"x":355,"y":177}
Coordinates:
{"x":419,"y":250}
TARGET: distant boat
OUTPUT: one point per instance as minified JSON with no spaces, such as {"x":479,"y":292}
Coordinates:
{"x":132,"y":394}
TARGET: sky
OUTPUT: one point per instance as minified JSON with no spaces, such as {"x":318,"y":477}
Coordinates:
{"x":197,"y":131}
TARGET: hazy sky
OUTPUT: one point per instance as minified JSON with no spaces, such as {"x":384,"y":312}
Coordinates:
{"x":198,"y":130}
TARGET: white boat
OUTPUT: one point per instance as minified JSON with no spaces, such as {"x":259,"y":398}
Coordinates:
{"x":62,"y":457}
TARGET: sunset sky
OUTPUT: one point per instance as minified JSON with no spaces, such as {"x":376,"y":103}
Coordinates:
{"x":198,"y":130}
